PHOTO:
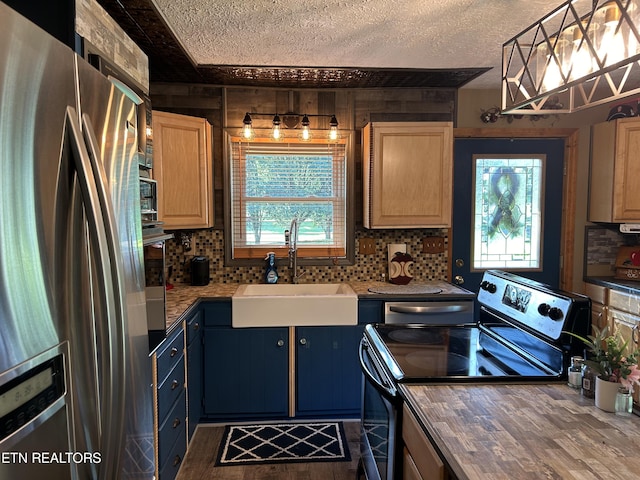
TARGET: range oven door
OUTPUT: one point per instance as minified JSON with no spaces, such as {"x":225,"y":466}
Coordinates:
{"x":380,"y":421}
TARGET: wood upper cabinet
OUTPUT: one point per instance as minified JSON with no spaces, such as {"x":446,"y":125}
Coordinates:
{"x":614,"y":184}
{"x":408,"y":174}
{"x":182,"y":147}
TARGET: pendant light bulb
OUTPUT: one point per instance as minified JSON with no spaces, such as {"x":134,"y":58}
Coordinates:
{"x":306,"y":133}
{"x":247,"y":130}
{"x":333,"y":128}
{"x":276,"y":132}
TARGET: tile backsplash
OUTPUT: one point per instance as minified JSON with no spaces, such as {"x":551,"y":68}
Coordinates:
{"x":210,"y":243}
{"x":601,"y":248}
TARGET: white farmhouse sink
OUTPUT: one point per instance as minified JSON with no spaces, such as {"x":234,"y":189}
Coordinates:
{"x":287,"y":305}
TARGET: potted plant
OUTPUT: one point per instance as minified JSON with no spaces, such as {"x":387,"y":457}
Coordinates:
{"x":615,"y":367}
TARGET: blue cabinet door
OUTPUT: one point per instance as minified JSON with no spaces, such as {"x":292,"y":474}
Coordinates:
{"x":328,"y":375}
{"x":246,"y":372}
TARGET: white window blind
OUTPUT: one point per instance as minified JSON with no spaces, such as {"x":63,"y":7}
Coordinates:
{"x":273,"y":182}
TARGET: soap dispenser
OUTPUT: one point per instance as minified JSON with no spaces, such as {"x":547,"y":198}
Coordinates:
{"x":271,"y":275}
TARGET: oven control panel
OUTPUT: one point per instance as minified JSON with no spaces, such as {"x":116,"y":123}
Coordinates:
{"x":525,"y":302}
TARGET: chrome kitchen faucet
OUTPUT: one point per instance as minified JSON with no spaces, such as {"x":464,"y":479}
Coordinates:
{"x":291,"y":240}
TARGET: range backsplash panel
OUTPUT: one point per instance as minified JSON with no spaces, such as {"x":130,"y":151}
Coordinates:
{"x":210,"y":243}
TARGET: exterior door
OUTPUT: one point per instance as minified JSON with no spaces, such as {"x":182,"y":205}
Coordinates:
{"x":507,"y":210}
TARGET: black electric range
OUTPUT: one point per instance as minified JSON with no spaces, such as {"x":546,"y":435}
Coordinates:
{"x":519,"y":337}
{"x":519,"y":334}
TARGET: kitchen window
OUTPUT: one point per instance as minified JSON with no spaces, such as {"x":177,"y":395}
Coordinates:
{"x":273,"y":182}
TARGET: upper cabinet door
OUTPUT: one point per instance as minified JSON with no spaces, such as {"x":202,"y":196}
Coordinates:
{"x":626,"y":199}
{"x":183,"y":167}
{"x":614,"y":187}
{"x":408,"y":174}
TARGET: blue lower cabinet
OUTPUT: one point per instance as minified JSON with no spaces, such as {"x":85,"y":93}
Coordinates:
{"x":170,"y":402}
{"x":246,"y":372}
{"x":328,"y":375}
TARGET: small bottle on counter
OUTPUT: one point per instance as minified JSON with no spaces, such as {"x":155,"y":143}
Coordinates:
{"x":575,"y":373}
{"x":624,"y":402}
{"x":588,"y":381}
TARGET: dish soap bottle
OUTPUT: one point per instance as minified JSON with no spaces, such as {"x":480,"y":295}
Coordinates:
{"x":271,"y":275}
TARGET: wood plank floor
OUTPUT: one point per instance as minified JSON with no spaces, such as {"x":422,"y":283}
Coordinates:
{"x":200,"y":460}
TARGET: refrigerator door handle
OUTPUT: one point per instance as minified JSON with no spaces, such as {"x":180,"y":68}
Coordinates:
{"x":91,"y":179}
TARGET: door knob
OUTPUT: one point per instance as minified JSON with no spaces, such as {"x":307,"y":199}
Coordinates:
{"x":458,"y":280}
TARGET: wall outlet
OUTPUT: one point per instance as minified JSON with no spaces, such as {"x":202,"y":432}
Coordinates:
{"x":433,"y":245}
{"x":366,"y":246}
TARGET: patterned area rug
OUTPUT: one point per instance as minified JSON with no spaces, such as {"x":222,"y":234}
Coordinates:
{"x":281,"y":443}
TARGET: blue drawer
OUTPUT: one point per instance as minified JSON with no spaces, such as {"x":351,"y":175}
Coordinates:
{"x":194,"y":326}
{"x":169,"y":470}
{"x":170,"y":389}
{"x":169,"y":354}
{"x":173,"y":429}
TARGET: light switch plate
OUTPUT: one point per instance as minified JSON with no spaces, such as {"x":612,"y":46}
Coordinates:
{"x":433,"y":245}
{"x":366,"y":246}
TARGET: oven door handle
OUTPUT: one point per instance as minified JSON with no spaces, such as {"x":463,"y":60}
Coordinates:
{"x":420,"y":310}
{"x":387,"y":390}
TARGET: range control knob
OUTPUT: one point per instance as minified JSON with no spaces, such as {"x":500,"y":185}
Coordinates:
{"x":488,"y":286}
{"x":543,"y":309}
{"x":555,"y":313}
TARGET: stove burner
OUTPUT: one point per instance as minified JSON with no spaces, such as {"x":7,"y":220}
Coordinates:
{"x":420,"y":336}
{"x":436,"y":364}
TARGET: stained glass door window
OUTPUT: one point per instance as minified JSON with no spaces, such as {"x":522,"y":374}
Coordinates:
{"x":507,"y":217}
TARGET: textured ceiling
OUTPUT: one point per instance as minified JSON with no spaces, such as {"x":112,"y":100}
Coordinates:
{"x":327,"y":42}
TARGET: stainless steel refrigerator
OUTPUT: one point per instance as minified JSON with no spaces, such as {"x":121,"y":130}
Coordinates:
{"x":75,"y":374}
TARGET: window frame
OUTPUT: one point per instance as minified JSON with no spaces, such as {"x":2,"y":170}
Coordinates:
{"x":306,"y":255}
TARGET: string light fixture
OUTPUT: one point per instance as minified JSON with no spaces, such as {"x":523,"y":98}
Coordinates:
{"x":291,"y":121}
{"x":584,"y":53}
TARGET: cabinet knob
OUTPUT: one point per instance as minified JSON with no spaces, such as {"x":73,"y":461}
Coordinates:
{"x":173,"y":352}
{"x":176,"y":422}
{"x":303,"y":341}
{"x":196,"y":326}
{"x":177,"y":460}
{"x":174,"y":384}
{"x":280,"y":343}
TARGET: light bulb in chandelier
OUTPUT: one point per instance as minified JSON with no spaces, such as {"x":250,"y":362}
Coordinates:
{"x":582,"y":63}
{"x":612,"y":45}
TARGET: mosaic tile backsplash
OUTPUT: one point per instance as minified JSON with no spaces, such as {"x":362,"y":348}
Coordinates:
{"x":210,"y":243}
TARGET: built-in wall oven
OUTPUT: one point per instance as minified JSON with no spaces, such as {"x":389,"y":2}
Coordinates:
{"x":518,"y":337}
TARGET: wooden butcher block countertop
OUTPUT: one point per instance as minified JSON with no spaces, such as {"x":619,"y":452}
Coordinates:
{"x":525,"y":432}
